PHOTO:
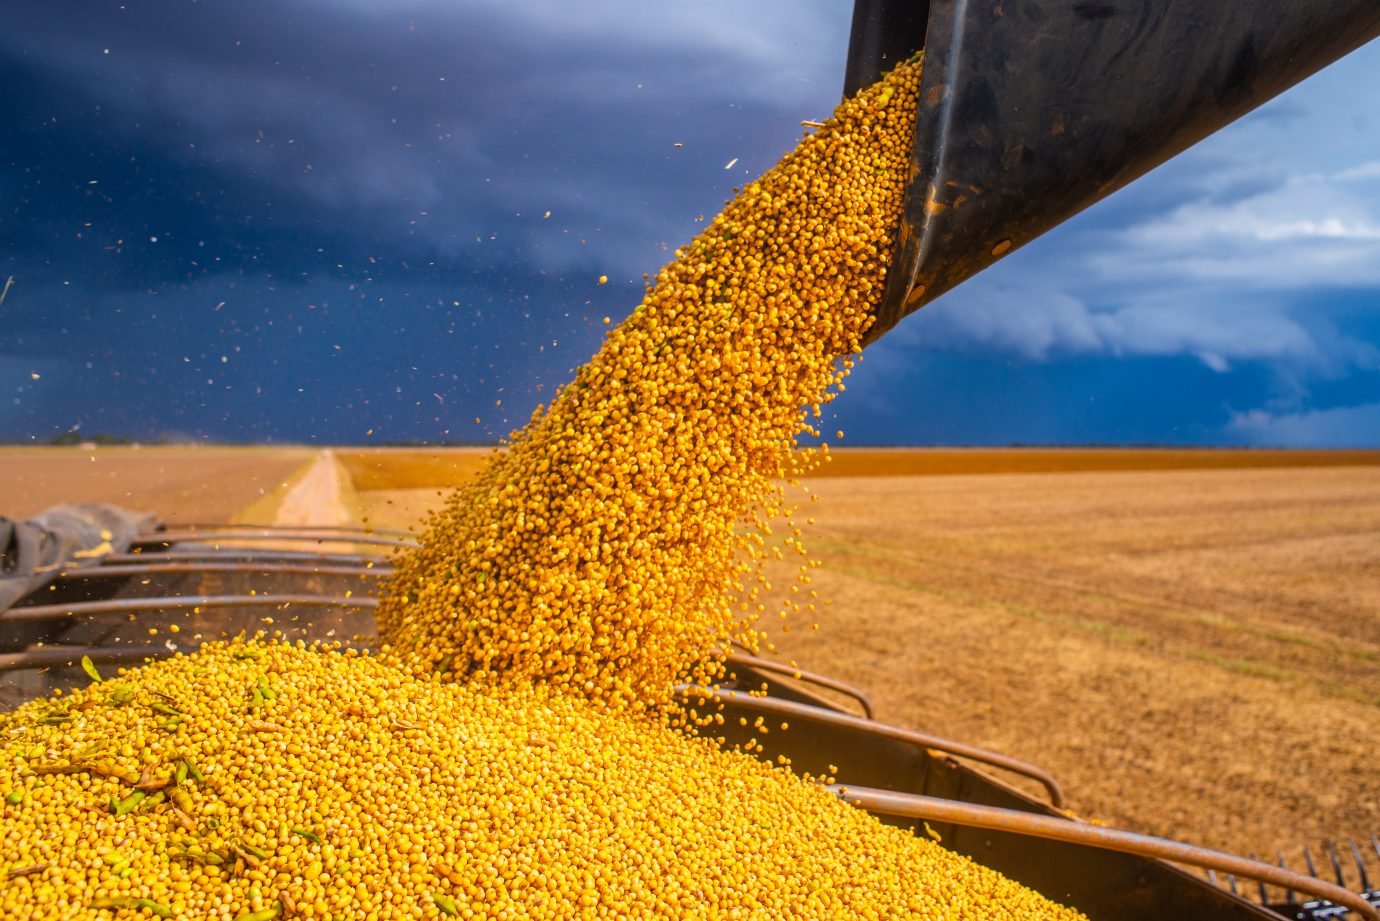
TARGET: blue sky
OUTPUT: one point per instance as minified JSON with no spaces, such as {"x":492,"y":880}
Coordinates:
{"x":306,"y":220}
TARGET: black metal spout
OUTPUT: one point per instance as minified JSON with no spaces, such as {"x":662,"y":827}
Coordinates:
{"x":1032,"y":110}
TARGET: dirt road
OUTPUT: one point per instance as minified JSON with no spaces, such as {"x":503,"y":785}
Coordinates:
{"x":317,"y":498}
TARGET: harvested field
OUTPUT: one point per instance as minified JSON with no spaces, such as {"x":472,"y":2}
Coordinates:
{"x":411,"y":468}
{"x":396,"y":487}
{"x":182,"y":484}
{"x":397,"y":508}
{"x":1193,"y":653}
{"x":930,"y":461}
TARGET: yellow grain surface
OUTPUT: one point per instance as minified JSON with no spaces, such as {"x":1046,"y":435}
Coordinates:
{"x":354,"y":790}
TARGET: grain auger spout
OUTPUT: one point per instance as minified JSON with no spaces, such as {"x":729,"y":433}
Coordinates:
{"x":1032,"y":110}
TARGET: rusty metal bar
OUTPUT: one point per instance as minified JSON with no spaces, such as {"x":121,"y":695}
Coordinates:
{"x":1361,"y":864}
{"x":1264,"y":894}
{"x":1335,"y":859}
{"x":142,"y":605}
{"x":800,"y":674}
{"x":314,"y":536}
{"x":157,"y":566}
{"x":57,"y":657}
{"x":930,"y":808}
{"x":1279,"y":858}
{"x":346,"y":529}
{"x":247,"y":554}
{"x":847,"y":720}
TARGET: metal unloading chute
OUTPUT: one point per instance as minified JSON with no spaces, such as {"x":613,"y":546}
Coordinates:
{"x":1032,"y":110}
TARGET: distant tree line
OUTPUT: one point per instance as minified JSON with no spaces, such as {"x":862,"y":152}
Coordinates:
{"x":98,"y":438}
{"x":74,"y":438}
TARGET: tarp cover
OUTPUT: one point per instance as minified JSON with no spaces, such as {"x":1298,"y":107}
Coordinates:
{"x":65,"y":536}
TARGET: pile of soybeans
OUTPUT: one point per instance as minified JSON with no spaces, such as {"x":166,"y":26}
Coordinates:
{"x":347,"y":788}
{"x":514,"y":754}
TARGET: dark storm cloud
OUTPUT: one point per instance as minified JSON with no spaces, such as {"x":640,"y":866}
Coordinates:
{"x":312,"y":219}
{"x":1256,"y":254}
{"x":364,"y":189}
{"x":431,"y":127}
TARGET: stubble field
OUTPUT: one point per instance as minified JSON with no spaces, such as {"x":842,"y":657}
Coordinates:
{"x":1189,"y":641}
{"x":1193,"y":653}
{"x":182,"y":484}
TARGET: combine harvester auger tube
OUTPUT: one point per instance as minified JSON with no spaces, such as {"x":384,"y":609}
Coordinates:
{"x":1029,"y":112}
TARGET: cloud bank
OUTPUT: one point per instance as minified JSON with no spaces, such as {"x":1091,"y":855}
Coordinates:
{"x":1260,"y":247}
{"x":402,"y":208}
